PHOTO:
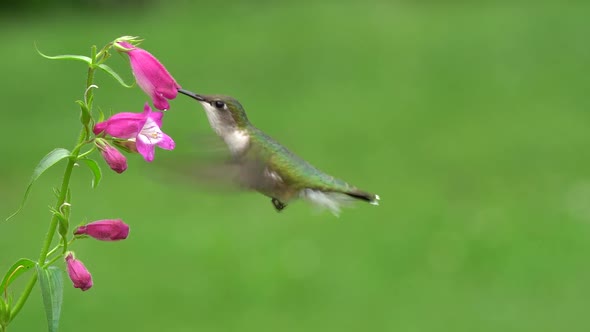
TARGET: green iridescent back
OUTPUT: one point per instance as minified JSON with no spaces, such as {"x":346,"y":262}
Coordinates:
{"x":294,"y":171}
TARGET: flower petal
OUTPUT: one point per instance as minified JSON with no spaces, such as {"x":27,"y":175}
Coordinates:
{"x":157,"y":117}
{"x":122,"y":125}
{"x":145,"y":149}
{"x":160,"y":102}
{"x":147,"y":110}
{"x":127,"y":116}
{"x":167,"y":143}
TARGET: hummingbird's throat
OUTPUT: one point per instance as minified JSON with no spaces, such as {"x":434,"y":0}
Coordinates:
{"x":237,"y":141}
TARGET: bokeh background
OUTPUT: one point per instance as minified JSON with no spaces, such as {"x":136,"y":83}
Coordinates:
{"x":469,"y":119}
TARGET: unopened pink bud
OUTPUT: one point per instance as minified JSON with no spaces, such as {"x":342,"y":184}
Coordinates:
{"x":116,"y":161}
{"x":105,"y":230}
{"x":78,"y":273}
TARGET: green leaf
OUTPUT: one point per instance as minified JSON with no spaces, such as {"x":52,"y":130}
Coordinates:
{"x":49,"y":160}
{"x":63,"y":224}
{"x":81,"y":104}
{"x":116,"y":76}
{"x":84,"y":113}
{"x":21,"y":266}
{"x":65,"y":57}
{"x":52,"y":288}
{"x":93,"y":165}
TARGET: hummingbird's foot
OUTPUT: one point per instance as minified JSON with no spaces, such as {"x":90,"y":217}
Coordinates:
{"x":278,"y":204}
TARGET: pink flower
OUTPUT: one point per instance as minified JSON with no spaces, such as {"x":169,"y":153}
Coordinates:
{"x":105,"y":230}
{"x":114,"y":158}
{"x":144,"y":128}
{"x":151,"y":76}
{"x":78,"y":273}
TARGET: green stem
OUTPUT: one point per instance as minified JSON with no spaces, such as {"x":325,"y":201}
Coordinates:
{"x":82,"y":155}
{"x":88,"y":93}
{"x":23,"y":298}
{"x":55,"y":249}
{"x":50,"y":262}
{"x":60,"y":201}
{"x":90,"y":78}
{"x":50,"y":233}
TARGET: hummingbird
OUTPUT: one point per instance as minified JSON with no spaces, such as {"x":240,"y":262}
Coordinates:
{"x":264,"y":165}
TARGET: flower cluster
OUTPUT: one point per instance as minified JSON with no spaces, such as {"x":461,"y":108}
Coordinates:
{"x":126,"y":132}
{"x":142,"y":129}
{"x":139,"y":132}
{"x":133,"y":133}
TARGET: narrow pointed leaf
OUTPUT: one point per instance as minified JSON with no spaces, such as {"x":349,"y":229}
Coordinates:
{"x":52,"y":288}
{"x":49,"y":160}
{"x":116,"y":76}
{"x":95,"y":168}
{"x":80,"y":103}
{"x":84,"y":112}
{"x":66,"y":57}
{"x":21,"y":266}
{"x":63,"y":224}
{"x":63,"y":216}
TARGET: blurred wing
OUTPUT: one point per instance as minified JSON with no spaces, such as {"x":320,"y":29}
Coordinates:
{"x":209,"y":165}
{"x":205,"y":165}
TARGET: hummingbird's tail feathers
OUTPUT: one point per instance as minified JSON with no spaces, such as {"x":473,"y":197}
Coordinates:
{"x":364,"y":196}
{"x":335,"y":200}
{"x":330,"y":200}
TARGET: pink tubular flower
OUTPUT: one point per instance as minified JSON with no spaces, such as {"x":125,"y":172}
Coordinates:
{"x":78,"y":273}
{"x":114,"y":158}
{"x":151,"y":76}
{"x":144,"y":128}
{"x":105,"y":230}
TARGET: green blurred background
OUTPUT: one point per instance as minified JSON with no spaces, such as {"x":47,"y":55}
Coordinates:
{"x":470,"y":120}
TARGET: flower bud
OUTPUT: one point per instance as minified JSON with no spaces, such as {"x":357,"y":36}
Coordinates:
{"x":105,"y":230}
{"x":116,"y":161}
{"x":78,"y":273}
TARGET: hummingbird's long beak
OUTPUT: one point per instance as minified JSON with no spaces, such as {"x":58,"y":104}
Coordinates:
{"x":192,"y":94}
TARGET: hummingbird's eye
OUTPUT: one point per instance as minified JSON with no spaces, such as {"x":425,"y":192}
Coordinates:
{"x":219,"y":104}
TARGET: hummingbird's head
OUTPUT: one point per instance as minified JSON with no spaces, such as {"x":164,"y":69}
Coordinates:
{"x":225,"y":114}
